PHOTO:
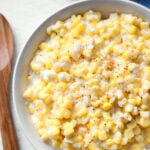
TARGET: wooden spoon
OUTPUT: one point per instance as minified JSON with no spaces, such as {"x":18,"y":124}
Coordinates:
{"x":6,"y":54}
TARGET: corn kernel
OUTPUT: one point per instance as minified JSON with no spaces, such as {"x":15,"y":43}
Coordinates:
{"x":110,"y":142}
{"x":53,"y":131}
{"x":107,"y":106}
{"x":62,"y":86}
{"x":137,"y":146}
{"x":82,"y":112}
{"x":128,"y":108}
{"x":68,"y":129}
{"x":56,"y":143}
{"x":42,"y":46}
{"x":133,"y":101}
{"x":126,"y":55}
{"x":132,"y":30}
{"x":138,"y":101}
{"x":31,"y":109}
{"x":29,"y":94}
{"x":128,"y":133}
{"x":145,"y":122}
{"x":102,"y":135}
{"x":67,"y":102}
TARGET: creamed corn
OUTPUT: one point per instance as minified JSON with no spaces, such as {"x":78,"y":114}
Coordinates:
{"x":89,"y":83}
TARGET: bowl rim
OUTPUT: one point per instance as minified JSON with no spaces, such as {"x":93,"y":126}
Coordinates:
{"x":32,"y":35}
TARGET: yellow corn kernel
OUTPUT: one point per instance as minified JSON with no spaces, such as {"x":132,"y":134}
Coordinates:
{"x":65,"y":113}
{"x":92,"y":82}
{"x":132,"y":101}
{"x":48,"y":100}
{"x":128,"y":133}
{"x":67,"y":102}
{"x":31,"y":108}
{"x":34,"y":67}
{"x":48,"y":64}
{"x":51,"y":86}
{"x":126,"y":55}
{"x":132,"y":125}
{"x":103,"y":135}
{"x":43,"y":95}
{"x":45,"y":137}
{"x":96,"y":89}
{"x":38,"y":125}
{"x":91,"y":115}
{"x":98,"y":113}
{"x":104,"y":100}
{"x":53,"y":131}
{"x":129,"y":108}
{"x":144,"y":107}
{"x":76,"y":95}
{"x":144,"y":25}
{"x":117,"y":140}
{"x":147,"y":54}
{"x":42,"y":131}
{"x":140,"y":46}
{"x":137,"y":146}
{"x":82,"y":112}
{"x":47,"y":90}
{"x":62,"y":86}
{"x":77,"y":138}
{"x":95,"y":133}
{"x":48,"y":49}
{"x":29,"y":78}
{"x":42,"y":46}
{"x":88,"y":53}
{"x":110,"y":142}
{"x":99,"y":41}
{"x":116,"y":50}
{"x":55,"y":143}
{"x":94,"y":121}
{"x":77,"y":31}
{"x":39,"y":85}
{"x":147,"y":72}
{"x":137,"y":90}
{"x":144,"y":122}
{"x":29,"y":94}
{"x":90,"y":32}
{"x":138,"y":101}
{"x":137,"y":130}
{"x":56,"y":96}
{"x":114,"y":82}
{"x":55,"y":122}
{"x":96,"y":103}
{"x":147,"y":137}
{"x":80,"y":27}
{"x":107,"y":106}
{"x":41,"y":116}
{"x":68,"y":129}
{"x":110,"y":124}
{"x":94,"y":146}
{"x":106,"y":36}
{"x":132,"y":30}
{"x":75,"y":20}
{"x":39,"y":105}
{"x":78,"y":73}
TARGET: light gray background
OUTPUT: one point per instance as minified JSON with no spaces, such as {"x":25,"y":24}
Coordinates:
{"x":24,"y":17}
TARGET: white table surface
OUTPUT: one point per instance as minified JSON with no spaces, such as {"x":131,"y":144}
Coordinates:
{"x":24,"y":17}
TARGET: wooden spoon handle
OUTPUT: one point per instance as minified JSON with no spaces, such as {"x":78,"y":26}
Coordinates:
{"x":6,"y":124}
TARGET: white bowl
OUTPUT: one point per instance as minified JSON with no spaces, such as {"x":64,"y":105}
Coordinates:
{"x":22,"y":64}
